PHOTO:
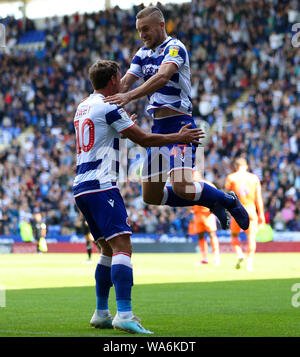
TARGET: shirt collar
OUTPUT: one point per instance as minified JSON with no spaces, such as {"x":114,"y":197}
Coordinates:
{"x":165,"y":42}
{"x":162,"y":45}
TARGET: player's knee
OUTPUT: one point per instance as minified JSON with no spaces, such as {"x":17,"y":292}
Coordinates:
{"x":148,"y":199}
{"x":121,"y":244}
{"x":123,"y":248}
{"x":179,"y":190}
{"x":251,"y":246}
{"x":104,"y":247}
{"x":235,"y":240}
{"x":151,"y":199}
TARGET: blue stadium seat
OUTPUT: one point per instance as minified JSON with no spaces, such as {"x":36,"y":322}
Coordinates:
{"x":33,"y":36}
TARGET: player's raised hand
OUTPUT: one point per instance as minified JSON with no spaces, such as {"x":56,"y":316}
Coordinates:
{"x":187,"y":135}
{"x":133,"y":117}
{"x":120,"y":99}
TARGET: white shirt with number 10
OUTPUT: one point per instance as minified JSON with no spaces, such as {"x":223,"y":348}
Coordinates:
{"x":97,"y":127}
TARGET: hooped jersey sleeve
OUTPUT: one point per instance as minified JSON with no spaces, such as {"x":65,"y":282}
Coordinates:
{"x":118,"y":118}
{"x":175,"y":53}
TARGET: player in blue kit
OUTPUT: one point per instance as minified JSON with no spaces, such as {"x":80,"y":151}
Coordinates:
{"x":163,"y":64}
{"x":98,"y":126}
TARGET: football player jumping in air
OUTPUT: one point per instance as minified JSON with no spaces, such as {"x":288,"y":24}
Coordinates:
{"x":163,"y":64}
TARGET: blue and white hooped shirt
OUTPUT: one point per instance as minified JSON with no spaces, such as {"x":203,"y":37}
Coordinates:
{"x":176,"y":94}
{"x":97,"y":127}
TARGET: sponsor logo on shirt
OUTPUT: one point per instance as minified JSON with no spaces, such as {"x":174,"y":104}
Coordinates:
{"x":173,"y":51}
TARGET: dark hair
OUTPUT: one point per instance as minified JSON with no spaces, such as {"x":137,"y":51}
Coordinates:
{"x":101,"y":72}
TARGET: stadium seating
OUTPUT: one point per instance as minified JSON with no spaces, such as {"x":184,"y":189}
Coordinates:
{"x":245,"y":84}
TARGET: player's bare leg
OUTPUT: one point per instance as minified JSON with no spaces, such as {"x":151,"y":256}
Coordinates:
{"x":153,"y":189}
{"x":251,"y":245}
{"x":89,"y":245}
{"x":185,"y":192}
{"x":183,"y":183}
{"x":215,"y":247}
{"x":203,"y":247}
{"x":121,"y":244}
{"x":185,"y":187}
{"x":104,"y":248}
{"x":236,"y":245}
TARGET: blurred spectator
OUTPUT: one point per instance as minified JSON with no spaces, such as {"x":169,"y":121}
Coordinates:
{"x":288,"y":213}
{"x":245,"y":83}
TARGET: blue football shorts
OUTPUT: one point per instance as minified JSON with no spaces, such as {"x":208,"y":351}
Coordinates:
{"x":105,"y":213}
{"x":165,"y":159}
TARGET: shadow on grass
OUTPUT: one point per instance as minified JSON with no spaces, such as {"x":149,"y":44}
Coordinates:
{"x":248,"y":308}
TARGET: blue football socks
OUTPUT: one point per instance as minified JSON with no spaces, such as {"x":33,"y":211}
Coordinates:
{"x":103,"y":282}
{"x":122,"y":278}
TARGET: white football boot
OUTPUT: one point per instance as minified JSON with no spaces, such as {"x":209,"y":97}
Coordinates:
{"x":131,"y":325}
{"x":99,"y":321}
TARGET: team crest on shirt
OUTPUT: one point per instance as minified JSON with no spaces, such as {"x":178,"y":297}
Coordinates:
{"x":173,"y":51}
{"x":123,"y":113}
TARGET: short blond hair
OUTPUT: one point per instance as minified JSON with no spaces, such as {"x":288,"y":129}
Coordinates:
{"x":152,"y":11}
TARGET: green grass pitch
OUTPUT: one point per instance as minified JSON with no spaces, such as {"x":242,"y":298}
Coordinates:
{"x":54,"y":295}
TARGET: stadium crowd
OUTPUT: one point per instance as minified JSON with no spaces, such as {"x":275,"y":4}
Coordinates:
{"x":245,"y":84}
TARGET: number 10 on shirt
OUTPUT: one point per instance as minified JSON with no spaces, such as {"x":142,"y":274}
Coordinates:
{"x":87,"y":129}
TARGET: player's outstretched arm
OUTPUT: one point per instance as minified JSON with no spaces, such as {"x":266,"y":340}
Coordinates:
{"x":142,"y":138}
{"x":127,"y":82}
{"x":160,"y":79}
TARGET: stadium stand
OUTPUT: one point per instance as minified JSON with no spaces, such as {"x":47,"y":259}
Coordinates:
{"x":245,"y":84}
